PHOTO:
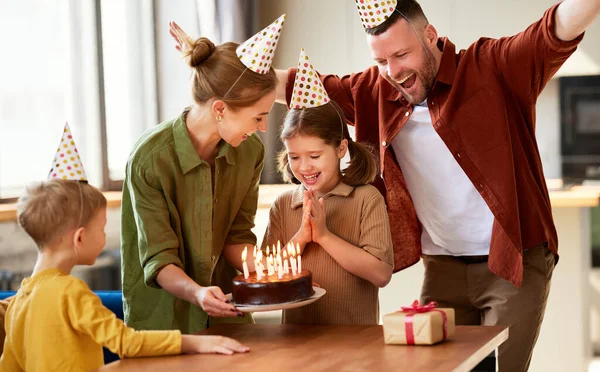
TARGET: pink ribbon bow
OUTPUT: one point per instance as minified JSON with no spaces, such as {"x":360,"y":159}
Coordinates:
{"x":417,"y":308}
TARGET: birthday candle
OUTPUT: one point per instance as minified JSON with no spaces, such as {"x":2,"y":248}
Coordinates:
{"x":259,"y":268}
{"x":299,"y":258}
{"x":279,"y":271}
{"x":244,"y":264}
{"x":270,"y":264}
{"x":293,"y":262}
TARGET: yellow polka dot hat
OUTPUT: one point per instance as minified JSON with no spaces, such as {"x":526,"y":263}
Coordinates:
{"x":67,"y":164}
{"x":374,"y":12}
{"x":257,"y":52}
{"x":308,"y":88}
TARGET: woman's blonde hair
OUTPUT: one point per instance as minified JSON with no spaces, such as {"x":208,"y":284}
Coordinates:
{"x":48,"y":210}
{"x":326,"y":122}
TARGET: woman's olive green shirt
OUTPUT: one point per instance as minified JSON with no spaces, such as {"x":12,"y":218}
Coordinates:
{"x":171,"y":215}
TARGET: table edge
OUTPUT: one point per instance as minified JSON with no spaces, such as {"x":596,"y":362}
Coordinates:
{"x":490,"y":346}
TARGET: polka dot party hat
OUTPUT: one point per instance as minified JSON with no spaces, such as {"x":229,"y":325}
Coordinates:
{"x":308,"y":88}
{"x":257,"y":52}
{"x":374,"y":12}
{"x":67,"y":164}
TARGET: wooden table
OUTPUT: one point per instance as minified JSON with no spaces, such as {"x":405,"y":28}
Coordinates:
{"x":287,"y":348}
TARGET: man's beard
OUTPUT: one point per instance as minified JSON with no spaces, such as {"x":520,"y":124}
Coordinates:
{"x":425,"y":76}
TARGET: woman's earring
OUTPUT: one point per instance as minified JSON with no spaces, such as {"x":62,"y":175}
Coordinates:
{"x":219,"y":118}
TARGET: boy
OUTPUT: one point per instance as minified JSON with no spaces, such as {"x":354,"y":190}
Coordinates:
{"x":55,"y":322}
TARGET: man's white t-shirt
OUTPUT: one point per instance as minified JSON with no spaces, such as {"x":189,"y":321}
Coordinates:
{"x":456,"y":220}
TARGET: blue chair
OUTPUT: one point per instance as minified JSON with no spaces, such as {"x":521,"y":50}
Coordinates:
{"x":4,"y":294}
{"x":113,"y":300}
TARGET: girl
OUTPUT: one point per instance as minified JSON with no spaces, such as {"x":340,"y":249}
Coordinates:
{"x":337,"y":219}
{"x":191,"y":189}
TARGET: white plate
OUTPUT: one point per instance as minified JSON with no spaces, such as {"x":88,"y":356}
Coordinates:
{"x":319,"y":292}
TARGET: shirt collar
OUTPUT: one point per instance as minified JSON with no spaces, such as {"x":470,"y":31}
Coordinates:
{"x":448,"y":63}
{"x":445,"y":73}
{"x":341,"y":189}
{"x":186,"y":153}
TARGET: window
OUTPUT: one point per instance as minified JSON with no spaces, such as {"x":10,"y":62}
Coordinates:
{"x":88,"y":62}
{"x":129,"y":81}
{"x":34,"y":97}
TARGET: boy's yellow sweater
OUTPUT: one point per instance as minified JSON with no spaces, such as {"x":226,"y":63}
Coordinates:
{"x":56,"y":323}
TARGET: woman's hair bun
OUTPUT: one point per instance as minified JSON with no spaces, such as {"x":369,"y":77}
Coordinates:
{"x":201,"y":50}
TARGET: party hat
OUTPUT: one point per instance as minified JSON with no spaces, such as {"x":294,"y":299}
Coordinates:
{"x":308,"y":89}
{"x":67,"y":164}
{"x":257,"y":52}
{"x":374,"y":12}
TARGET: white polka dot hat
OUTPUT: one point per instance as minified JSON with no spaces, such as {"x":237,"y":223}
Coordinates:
{"x":308,"y":88}
{"x":374,"y":12}
{"x":257,"y":52}
{"x":67,"y":164}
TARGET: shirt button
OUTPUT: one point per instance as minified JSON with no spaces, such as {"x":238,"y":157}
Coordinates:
{"x":383,"y":143}
{"x":480,"y":186}
{"x":407,"y":113}
{"x":431,"y":103}
{"x":458,"y":154}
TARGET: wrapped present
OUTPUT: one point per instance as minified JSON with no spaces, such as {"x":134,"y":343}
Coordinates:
{"x":418,"y":325}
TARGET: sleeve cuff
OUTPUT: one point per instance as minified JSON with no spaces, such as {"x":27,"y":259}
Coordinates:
{"x":154,"y":265}
{"x":245,"y":237}
{"x":381,"y":255}
{"x":554,"y":42}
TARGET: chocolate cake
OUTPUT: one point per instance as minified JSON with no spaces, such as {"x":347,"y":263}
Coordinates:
{"x":272,"y":290}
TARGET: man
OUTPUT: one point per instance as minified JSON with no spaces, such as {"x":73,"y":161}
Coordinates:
{"x":459,"y":161}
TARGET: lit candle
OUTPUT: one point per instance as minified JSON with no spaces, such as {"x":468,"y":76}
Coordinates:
{"x":279,"y":271}
{"x":259,"y":268}
{"x":293,"y":262}
{"x":278,"y":247}
{"x":267,"y":259}
{"x":270,"y":269}
{"x":244,"y":264}
{"x":286,"y":269}
{"x":299,"y":258}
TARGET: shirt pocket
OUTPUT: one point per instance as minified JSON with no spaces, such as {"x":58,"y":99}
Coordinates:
{"x":483,"y":121}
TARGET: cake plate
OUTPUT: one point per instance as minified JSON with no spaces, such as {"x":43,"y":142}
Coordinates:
{"x":319,"y":292}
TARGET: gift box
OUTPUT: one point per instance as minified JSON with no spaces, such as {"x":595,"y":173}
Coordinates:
{"x":418,"y":325}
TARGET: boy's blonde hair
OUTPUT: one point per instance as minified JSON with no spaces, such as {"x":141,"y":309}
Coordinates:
{"x":49,"y":209}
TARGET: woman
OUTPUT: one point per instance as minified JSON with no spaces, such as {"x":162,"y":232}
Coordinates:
{"x":191,"y":190}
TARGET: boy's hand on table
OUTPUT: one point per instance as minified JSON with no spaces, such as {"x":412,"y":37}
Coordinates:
{"x":191,"y":344}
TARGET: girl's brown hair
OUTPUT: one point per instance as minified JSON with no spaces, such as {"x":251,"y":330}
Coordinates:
{"x":326,"y":122}
{"x":219,"y":73}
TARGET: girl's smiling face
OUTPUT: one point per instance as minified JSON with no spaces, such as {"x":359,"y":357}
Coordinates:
{"x":314,"y":163}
